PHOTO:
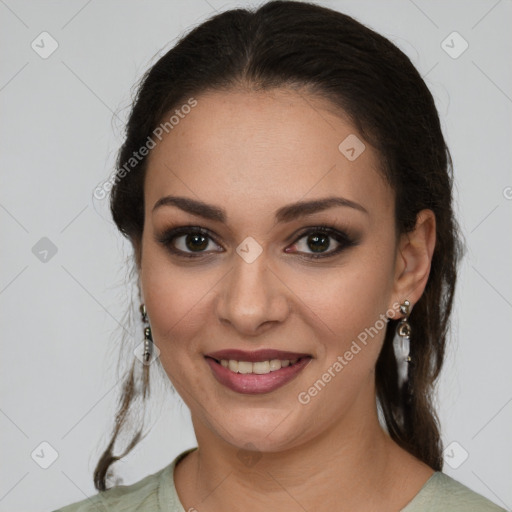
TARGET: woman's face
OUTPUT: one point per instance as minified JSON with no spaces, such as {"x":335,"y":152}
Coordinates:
{"x":250,"y":280}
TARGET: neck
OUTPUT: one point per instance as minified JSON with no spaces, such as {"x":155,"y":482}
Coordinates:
{"x":351,"y":466}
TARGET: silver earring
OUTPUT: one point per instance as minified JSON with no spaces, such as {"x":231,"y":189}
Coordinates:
{"x":401,"y":344}
{"x":148,"y":340}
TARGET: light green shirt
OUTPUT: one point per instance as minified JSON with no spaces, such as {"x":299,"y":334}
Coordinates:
{"x":156,"y":493}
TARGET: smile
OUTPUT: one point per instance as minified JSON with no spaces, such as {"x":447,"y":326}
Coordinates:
{"x":256,"y":377}
{"x":260,"y":368}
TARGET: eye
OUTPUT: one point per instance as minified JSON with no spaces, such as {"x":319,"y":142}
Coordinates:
{"x":187,"y":241}
{"x":194,"y":241}
{"x":318,"y":239}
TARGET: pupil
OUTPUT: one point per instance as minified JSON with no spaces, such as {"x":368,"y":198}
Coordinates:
{"x":316,"y":245}
{"x":193,"y":239}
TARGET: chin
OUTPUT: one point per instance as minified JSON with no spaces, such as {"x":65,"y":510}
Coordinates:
{"x":273,"y":434}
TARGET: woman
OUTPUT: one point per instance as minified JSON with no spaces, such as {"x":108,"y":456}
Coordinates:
{"x":286,"y":187}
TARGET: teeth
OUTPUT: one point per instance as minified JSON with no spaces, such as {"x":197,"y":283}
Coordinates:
{"x":275,"y":364}
{"x":244,"y":367}
{"x":259,"y":368}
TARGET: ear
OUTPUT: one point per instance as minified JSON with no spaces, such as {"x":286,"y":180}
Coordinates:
{"x":414,"y":258}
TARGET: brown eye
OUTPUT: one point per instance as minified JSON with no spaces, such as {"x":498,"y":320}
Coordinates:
{"x":318,"y":241}
{"x":187,"y":241}
{"x":196,"y":242}
{"x":193,"y":242}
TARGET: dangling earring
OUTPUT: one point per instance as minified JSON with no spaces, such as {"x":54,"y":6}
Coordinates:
{"x":148,"y":340}
{"x":402,"y":344}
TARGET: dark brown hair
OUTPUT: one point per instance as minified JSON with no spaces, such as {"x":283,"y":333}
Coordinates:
{"x":330,"y":55}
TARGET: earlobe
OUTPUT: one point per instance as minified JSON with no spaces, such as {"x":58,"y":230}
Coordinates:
{"x":414,"y":258}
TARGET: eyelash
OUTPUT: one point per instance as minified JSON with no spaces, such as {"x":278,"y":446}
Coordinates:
{"x":341,"y":237}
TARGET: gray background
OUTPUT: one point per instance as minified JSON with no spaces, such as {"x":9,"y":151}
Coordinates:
{"x":63,"y":318}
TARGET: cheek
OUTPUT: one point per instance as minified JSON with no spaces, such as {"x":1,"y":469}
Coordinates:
{"x":176,"y":305}
{"x":350,"y":320}
{"x":350,"y":305}
{"x":176,"y":301}
{"x":168,"y":295}
{"x":350,"y":297}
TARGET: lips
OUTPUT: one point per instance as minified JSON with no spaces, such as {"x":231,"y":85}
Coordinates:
{"x":236,"y":369}
{"x":256,"y":356}
{"x":255,"y":384}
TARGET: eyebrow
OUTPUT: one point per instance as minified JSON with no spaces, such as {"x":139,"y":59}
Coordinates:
{"x":283,"y":214}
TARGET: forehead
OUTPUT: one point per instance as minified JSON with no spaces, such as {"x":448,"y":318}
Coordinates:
{"x":263,"y":147}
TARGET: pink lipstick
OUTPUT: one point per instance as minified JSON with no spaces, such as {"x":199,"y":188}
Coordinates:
{"x":256,"y":372}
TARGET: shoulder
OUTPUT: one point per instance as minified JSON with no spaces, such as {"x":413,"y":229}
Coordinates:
{"x":154,"y":493}
{"x":140,"y":496}
{"x":443,"y":493}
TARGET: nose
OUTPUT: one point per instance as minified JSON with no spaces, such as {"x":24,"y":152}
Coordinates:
{"x":252,"y":297}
